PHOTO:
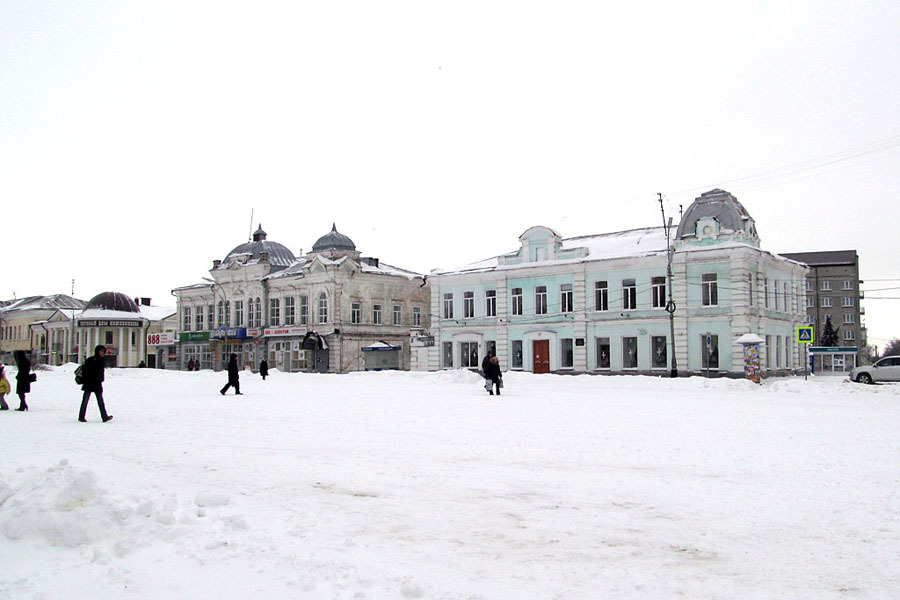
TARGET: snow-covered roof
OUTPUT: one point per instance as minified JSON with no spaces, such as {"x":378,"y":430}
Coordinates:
{"x":56,"y":301}
{"x":620,"y":244}
{"x":150,"y":313}
{"x":365,"y":265}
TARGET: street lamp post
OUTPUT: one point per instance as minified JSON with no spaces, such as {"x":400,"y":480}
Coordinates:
{"x":670,"y":305}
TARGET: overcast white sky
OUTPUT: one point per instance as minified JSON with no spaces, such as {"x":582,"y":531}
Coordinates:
{"x":135,"y":138}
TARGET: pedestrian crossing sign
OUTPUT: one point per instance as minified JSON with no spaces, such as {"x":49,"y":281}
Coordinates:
{"x":805,"y":335}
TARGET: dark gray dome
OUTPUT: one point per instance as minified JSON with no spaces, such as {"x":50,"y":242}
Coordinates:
{"x":720,"y":205}
{"x":334,"y":241}
{"x":112,"y":301}
{"x":279,"y":254}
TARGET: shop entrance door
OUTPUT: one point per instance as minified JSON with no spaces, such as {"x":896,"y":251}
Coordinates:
{"x":541,"y":354}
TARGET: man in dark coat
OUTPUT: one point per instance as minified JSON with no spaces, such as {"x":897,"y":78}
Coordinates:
{"x":490,"y":366}
{"x":23,"y":378}
{"x":232,"y":377}
{"x":92,"y":383}
{"x":263,"y":368}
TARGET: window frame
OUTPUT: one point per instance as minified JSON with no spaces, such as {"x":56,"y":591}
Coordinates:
{"x":709,"y":290}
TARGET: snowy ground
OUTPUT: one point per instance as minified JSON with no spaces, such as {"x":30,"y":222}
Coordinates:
{"x":406,"y":485}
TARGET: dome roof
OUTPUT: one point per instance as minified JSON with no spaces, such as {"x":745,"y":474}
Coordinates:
{"x":112,"y":301}
{"x":334,"y":241}
{"x":723,"y":207}
{"x":279,"y":255}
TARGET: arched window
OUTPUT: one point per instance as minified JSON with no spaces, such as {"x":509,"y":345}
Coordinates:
{"x":323,"y":308}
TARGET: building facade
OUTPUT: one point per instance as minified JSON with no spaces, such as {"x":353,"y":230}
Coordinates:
{"x":598,"y":303}
{"x":23,"y":327}
{"x":833,"y":293}
{"x":313,"y":313}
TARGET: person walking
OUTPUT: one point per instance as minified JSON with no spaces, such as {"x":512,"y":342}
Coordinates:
{"x":23,"y":378}
{"x":92,"y":383}
{"x":191,"y":365}
{"x":491,"y":367}
{"x":4,"y":388}
{"x":263,"y":368}
{"x":233,"y":378}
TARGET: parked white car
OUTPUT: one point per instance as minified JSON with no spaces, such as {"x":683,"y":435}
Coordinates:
{"x":886,"y":369}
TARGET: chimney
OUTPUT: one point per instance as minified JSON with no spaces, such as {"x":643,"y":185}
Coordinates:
{"x":216,"y":263}
{"x":145,"y":301}
{"x":264,"y":257}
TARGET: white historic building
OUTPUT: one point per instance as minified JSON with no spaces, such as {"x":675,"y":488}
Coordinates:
{"x":331,"y":310}
{"x":598,"y":303}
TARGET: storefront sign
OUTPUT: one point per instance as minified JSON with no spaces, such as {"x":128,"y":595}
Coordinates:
{"x":283,"y":331}
{"x":833,"y":349}
{"x":108,"y":323}
{"x":161,"y":339}
{"x":194,"y":336}
{"x":228,"y":332}
{"x":254,"y":332}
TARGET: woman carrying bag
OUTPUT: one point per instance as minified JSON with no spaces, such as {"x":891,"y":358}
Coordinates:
{"x":24,"y":378}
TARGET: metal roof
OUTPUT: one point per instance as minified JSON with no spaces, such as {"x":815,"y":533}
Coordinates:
{"x":824,"y":258}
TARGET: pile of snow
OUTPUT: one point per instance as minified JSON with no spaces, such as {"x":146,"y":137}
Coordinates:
{"x":420,"y":485}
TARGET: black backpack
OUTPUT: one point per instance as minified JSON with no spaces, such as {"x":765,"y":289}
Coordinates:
{"x":79,"y":375}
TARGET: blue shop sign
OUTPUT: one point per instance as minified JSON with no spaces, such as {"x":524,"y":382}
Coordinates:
{"x":228,"y":332}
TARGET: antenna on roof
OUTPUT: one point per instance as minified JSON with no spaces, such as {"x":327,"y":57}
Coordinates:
{"x":250,"y":236}
{"x":73,"y":287}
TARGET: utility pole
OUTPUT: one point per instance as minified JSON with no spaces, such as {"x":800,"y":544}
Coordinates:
{"x":670,"y":305}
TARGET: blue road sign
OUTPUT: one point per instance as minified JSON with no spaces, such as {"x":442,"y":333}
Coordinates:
{"x":805,"y":335}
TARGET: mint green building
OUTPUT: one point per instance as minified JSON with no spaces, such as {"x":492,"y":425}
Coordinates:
{"x":597,"y":303}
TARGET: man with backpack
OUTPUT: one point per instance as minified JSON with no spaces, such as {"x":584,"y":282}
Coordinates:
{"x":90,"y":376}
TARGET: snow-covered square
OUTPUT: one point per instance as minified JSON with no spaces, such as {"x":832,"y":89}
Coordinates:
{"x":420,"y":485}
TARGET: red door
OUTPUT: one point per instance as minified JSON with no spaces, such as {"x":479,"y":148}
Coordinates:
{"x":541,"y":352}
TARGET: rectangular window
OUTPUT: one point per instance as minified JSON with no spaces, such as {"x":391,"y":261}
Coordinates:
{"x":601,"y":296}
{"x":567,"y":353}
{"x":658,"y":356}
{"x":516,"y":301}
{"x":602,"y":353}
{"x":847,"y":301}
{"x":826,"y":286}
{"x":777,"y":351}
{"x":786,"y":297}
{"x":448,"y":355}
{"x":540,"y":300}
{"x":775,"y":283}
{"x":658,"y":292}
{"x":827,"y":302}
{"x":238,"y":313}
{"x":398,"y":315}
{"x":376,"y":314}
{"x":109,"y":338}
{"x":849,"y":318}
{"x":289,"y":311}
{"x":846,"y":285}
{"x":355,"y":313}
{"x":448,"y":306}
{"x":709,"y":289}
{"x":766,"y":293}
{"x":849,"y":336}
{"x":258,"y":310}
{"x":490,"y":303}
{"x":517,"y":354}
{"x":220,"y":315}
{"x":468,"y":305}
{"x":491,"y":346}
{"x":210,"y":312}
{"x":629,"y":294}
{"x":274,"y":312}
{"x":810,"y":302}
{"x":417,"y":316}
{"x":304,"y":310}
{"x":629,"y":353}
{"x":709,"y":353}
{"x":809,"y":285}
{"x":468,"y":355}
{"x":198,"y":321}
{"x":566,"y":298}
{"x":186,"y":313}
{"x":323,"y":308}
